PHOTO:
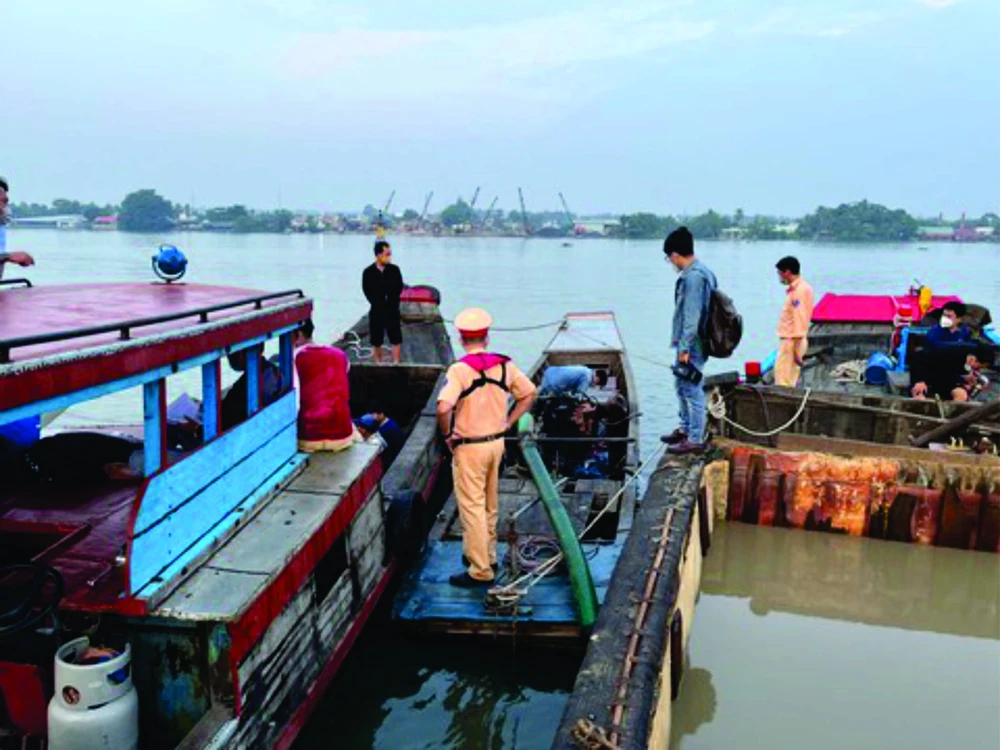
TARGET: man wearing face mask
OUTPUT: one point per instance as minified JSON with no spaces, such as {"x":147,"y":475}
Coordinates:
{"x":948,"y":343}
{"x":793,"y":325}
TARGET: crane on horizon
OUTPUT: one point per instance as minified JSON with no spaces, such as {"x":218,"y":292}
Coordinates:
{"x":569,"y":215}
{"x":489,"y":211}
{"x":380,"y":221}
{"x":524,"y":213}
{"x":427,"y":203}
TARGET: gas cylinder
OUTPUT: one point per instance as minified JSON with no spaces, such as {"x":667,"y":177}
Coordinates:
{"x":95,"y":704}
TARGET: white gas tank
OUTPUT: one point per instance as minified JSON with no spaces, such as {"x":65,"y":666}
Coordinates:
{"x":95,"y":706}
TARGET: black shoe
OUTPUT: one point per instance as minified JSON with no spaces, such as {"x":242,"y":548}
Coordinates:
{"x":675,"y":437}
{"x":465,"y":581}
{"x":685,"y":448}
{"x":466,"y":563}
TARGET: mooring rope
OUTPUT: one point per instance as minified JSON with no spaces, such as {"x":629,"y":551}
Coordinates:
{"x":354,"y":344}
{"x":717,"y":408}
{"x":509,"y":593}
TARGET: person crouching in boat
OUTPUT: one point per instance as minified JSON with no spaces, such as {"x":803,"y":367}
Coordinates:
{"x":793,"y":325}
{"x":943,"y":369}
{"x":324,"y":394}
{"x":472,"y":412}
{"x":571,"y":380}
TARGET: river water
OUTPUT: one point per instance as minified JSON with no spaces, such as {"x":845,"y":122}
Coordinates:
{"x":774,"y":662}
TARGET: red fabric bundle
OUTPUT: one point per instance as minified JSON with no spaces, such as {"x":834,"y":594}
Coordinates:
{"x":324,"y":393}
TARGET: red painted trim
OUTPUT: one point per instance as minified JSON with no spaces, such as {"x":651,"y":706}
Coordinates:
{"x":22,"y":687}
{"x":162,"y":419}
{"x":35,"y":384}
{"x":255,"y":621}
{"x":319,"y":687}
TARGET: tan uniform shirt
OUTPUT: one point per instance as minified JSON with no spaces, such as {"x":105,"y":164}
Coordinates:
{"x":797,"y":312}
{"x":484,"y":411}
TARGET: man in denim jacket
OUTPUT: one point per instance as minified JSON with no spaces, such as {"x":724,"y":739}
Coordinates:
{"x":691,"y":299}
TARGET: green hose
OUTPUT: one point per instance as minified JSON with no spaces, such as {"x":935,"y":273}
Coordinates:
{"x":579,"y":572}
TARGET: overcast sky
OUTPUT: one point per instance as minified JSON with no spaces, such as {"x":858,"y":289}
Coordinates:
{"x":672,"y":107}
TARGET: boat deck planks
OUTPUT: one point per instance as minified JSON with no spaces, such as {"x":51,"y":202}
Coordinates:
{"x":333,"y":473}
{"x":225,"y":583}
{"x":427,"y":601}
{"x":585,"y":332}
{"x":439,"y":606}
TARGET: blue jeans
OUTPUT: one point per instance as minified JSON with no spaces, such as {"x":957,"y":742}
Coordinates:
{"x":691,"y":401}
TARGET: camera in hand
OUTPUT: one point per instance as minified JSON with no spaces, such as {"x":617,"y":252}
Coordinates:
{"x":685,"y":371}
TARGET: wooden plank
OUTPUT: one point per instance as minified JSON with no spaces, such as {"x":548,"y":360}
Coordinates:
{"x":333,"y":473}
{"x":211,"y":399}
{"x":154,"y":448}
{"x":281,"y":627}
{"x":266,"y":543}
{"x":587,"y":332}
{"x":187,"y":508}
{"x":809,"y":443}
{"x":202,"y":468}
{"x":211,"y":595}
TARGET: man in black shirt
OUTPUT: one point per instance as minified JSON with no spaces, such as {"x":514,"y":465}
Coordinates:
{"x":382,"y":284}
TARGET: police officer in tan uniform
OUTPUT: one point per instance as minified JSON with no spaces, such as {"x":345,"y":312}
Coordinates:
{"x":472,"y":411}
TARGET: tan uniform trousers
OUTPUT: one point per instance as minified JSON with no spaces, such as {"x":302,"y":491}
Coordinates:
{"x":786,"y":372}
{"x":476,"y":470}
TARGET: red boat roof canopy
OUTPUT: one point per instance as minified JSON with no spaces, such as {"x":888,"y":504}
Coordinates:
{"x":865,"y":308}
{"x":56,"y":340}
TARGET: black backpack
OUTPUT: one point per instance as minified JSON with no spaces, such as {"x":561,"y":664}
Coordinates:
{"x":723,"y":326}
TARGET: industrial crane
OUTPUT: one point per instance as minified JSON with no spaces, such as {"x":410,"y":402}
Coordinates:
{"x":475,"y":197}
{"x":569,"y":215}
{"x":380,"y":221}
{"x":524,"y":213}
{"x":489,"y":212}
{"x":427,"y":203}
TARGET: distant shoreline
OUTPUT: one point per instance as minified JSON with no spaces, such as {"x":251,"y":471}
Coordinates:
{"x":564,"y":239}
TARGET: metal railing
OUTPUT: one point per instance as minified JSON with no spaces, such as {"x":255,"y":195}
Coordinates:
{"x":124,"y":328}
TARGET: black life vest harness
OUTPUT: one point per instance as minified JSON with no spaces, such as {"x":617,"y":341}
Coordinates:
{"x":481,"y":362}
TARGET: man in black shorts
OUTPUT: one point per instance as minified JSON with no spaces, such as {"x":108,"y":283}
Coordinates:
{"x":382,"y":284}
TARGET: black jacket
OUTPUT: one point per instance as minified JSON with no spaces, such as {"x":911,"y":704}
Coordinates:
{"x":382,"y":288}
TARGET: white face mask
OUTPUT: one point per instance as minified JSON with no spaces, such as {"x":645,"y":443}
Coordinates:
{"x":946,"y":322}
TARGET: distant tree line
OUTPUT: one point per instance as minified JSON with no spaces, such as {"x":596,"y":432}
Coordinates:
{"x":147,"y":211}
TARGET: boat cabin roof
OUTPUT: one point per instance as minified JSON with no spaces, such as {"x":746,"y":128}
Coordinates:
{"x":60,"y":339}
{"x":587,"y":332}
{"x":866,"y":308}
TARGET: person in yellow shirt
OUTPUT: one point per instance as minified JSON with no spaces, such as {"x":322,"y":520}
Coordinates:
{"x":472,"y":411}
{"x":793,"y":325}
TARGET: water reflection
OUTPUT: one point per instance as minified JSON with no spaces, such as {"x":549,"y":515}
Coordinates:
{"x":822,"y":641}
{"x":861,"y":580}
{"x":396,"y":692}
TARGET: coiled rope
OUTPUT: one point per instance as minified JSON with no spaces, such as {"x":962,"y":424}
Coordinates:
{"x":510,"y":593}
{"x":717,"y":408}
{"x":353,"y":344}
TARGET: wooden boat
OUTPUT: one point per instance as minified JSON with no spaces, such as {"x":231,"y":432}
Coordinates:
{"x":635,"y":658}
{"x":836,"y":454}
{"x":240,"y":571}
{"x":842,"y":402}
{"x":427,"y":601}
